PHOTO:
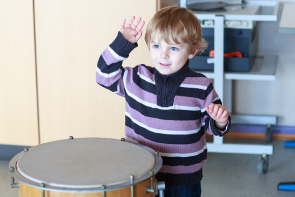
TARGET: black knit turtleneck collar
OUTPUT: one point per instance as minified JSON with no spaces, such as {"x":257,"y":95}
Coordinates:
{"x":167,"y":85}
{"x":184,"y":69}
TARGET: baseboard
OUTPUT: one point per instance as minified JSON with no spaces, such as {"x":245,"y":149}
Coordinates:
{"x":7,"y":152}
{"x":258,"y":132}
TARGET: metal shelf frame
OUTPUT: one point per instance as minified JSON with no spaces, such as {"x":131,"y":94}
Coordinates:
{"x":223,"y":80}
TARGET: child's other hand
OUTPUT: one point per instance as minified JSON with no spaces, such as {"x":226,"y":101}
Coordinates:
{"x":132,"y":31}
{"x":218,"y":113}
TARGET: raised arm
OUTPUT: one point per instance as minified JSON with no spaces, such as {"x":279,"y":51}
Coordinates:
{"x":109,"y":71}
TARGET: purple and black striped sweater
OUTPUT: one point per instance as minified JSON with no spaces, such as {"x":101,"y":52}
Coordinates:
{"x":164,"y":112}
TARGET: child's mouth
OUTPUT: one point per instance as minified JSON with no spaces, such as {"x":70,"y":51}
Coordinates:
{"x":165,"y":64}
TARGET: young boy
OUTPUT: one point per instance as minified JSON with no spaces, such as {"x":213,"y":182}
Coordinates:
{"x":168,"y":106}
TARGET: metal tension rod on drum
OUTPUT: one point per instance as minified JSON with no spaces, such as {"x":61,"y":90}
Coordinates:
{"x":160,"y":186}
{"x":43,"y":191}
{"x":132,"y":183}
{"x":103,"y":192}
{"x":13,"y":184}
{"x":151,"y":190}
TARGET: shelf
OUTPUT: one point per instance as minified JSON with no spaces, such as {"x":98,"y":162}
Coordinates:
{"x":254,"y":119}
{"x":240,"y":148}
{"x":264,"y":69}
{"x":234,"y":11}
{"x":287,"y":23}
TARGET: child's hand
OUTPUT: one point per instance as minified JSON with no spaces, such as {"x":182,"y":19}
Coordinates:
{"x":132,"y":32}
{"x":218,"y":113}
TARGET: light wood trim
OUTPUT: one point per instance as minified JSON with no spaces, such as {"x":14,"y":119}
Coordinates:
{"x":18,"y":102}
{"x":245,"y":135}
{"x":283,"y":137}
{"x":70,"y":36}
{"x":165,"y":3}
{"x":158,"y":5}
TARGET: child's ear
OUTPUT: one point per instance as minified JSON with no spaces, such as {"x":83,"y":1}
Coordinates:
{"x":193,"y":55}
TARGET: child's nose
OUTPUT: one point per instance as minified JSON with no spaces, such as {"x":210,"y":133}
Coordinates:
{"x":164,"y":54}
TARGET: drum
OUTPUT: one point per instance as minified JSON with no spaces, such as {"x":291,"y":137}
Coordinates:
{"x":86,"y":167}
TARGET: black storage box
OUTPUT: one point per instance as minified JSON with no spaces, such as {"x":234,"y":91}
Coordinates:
{"x":242,"y":40}
{"x":233,"y":64}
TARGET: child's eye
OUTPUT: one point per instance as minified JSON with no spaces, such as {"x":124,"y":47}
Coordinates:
{"x":174,"y":49}
{"x":156,"y":46}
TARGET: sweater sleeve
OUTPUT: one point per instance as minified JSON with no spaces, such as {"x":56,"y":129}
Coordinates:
{"x":212,"y":97}
{"x":109,"y":70}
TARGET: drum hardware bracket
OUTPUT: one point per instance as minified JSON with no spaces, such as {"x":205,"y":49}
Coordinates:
{"x":71,"y":138}
{"x":159,"y":188}
{"x":151,"y":190}
{"x":43,"y":191}
{"x":132,"y":183}
{"x":13,"y":184}
{"x":103,"y":192}
{"x":26,"y":149}
{"x":123,"y":139}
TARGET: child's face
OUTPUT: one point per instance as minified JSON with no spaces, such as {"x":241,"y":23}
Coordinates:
{"x":168,"y":58}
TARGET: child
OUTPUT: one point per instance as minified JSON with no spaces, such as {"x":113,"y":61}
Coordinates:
{"x":168,"y":106}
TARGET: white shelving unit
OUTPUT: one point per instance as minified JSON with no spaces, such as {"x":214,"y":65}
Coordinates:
{"x":264,"y":68}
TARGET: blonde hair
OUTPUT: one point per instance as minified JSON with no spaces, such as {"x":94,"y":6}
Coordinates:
{"x":178,"y":24}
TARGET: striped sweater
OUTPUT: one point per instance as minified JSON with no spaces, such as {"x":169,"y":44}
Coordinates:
{"x":164,"y":112}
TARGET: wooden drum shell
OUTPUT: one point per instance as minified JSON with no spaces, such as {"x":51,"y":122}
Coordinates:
{"x":139,"y":191}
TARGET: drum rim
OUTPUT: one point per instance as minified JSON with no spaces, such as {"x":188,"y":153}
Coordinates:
{"x":158,"y":164}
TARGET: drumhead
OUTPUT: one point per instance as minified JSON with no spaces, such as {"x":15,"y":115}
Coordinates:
{"x":85,"y":163}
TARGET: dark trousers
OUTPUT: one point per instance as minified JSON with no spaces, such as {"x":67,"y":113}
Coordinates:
{"x":183,"y":191}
